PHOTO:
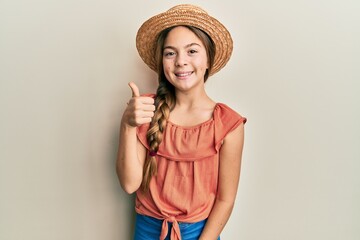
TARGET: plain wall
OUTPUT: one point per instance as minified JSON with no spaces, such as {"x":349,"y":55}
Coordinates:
{"x":294,"y":73}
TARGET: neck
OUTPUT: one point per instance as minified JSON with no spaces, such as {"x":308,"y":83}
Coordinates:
{"x":194,"y":98}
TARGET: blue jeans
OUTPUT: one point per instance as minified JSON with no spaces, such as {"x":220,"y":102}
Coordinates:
{"x":149,"y":228}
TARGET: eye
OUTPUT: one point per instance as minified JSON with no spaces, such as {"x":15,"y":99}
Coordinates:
{"x":192,"y":51}
{"x":169,"y":54}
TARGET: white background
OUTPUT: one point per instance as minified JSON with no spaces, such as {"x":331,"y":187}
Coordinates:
{"x":294,"y":73}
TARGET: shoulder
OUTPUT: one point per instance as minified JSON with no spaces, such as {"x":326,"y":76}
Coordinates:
{"x":224,"y":113}
{"x":226,"y":120}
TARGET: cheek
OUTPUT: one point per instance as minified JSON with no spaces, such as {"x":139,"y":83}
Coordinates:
{"x":202,"y":64}
{"x":167,"y":68}
{"x":167,"y":65}
{"x":167,"y":61}
{"x":203,"y":61}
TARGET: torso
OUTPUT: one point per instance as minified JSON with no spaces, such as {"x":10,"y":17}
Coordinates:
{"x":188,"y":159}
{"x":192,"y":117}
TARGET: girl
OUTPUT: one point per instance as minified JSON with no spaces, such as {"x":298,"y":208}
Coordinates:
{"x":179,"y":150}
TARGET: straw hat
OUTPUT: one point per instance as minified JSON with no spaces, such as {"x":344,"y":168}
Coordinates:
{"x":184,"y":14}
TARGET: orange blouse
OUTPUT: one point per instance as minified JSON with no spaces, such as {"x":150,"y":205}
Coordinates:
{"x":185,"y":186}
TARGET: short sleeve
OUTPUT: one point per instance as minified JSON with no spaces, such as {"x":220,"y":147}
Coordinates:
{"x":226,"y":120}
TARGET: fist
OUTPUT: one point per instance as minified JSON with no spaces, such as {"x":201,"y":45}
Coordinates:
{"x":139,"y":110}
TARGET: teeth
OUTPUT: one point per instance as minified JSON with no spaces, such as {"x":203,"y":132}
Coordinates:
{"x":183,"y":74}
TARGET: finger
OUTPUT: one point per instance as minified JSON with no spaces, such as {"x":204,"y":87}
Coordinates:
{"x":141,"y":113}
{"x":148,"y":107}
{"x":144,"y":120}
{"x":134,"y":89}
{"x":147,"y":114}
{"x":144,"y":103}
{"x":147,"y":100}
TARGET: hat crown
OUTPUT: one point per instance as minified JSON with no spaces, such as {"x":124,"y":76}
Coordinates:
{"x":187,"y":8}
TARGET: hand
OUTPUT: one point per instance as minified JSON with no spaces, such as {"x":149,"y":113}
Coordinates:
{"x":140,"y":110}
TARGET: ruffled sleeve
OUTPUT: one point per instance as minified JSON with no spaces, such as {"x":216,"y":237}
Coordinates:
{"x":226,"y":120}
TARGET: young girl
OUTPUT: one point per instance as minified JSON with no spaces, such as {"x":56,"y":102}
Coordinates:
{"x":179,"y":150}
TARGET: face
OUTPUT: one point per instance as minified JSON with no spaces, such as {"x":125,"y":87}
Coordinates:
{"x":184,"y":59}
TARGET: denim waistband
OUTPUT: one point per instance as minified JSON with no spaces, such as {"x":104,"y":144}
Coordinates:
{"x":149,"y":228}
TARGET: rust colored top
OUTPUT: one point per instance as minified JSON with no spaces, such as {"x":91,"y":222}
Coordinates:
{"x":185,"y":187}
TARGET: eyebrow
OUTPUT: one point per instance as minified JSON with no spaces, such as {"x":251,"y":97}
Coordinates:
{"x":186,"y":46}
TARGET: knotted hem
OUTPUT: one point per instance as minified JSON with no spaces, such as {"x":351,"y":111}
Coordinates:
{"x":175,"y":229}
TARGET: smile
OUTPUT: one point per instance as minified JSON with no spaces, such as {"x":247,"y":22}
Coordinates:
{"x":183,"y":74}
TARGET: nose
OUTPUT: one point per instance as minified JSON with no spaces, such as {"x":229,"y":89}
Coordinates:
{"x":181,"y":60}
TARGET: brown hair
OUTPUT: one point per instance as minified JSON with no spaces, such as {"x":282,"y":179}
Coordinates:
{"x":165,"y":100}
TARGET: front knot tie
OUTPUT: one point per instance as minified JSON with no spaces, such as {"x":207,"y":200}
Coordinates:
{"x":171,"y":219}
{"x":175,"y":230}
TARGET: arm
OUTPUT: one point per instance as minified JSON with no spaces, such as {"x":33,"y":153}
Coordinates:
{"x":131,"y":153}
{"x":229,"y":173}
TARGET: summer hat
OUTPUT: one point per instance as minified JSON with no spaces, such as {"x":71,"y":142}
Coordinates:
{"x":184,"y":14}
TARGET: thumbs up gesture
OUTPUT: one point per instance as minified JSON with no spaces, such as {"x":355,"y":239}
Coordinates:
{"x":140,"y":109}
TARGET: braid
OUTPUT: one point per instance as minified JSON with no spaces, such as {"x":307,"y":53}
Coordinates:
{"x":164,"y":102}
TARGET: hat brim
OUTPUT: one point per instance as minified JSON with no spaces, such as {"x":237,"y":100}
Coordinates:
{"x":188,"y":15}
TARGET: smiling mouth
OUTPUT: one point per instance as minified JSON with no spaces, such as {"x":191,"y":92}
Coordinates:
{"x":183,"y":74}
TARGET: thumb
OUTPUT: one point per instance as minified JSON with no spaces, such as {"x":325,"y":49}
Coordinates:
{"x":134,"y":89}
